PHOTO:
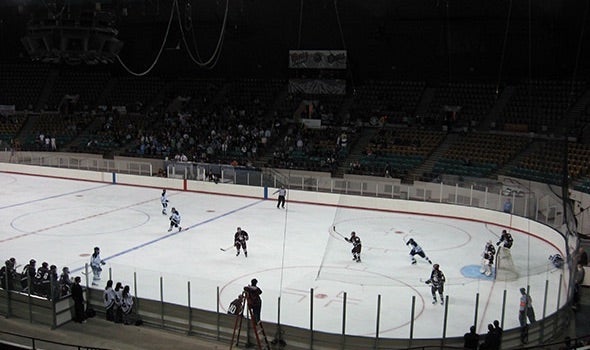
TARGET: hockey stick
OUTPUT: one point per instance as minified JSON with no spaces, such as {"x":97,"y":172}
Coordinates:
{"x":226,"y":249}
{"x":338,"y":233}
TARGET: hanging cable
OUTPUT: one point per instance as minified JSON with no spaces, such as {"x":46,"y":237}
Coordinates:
{"x":174,"y":3}
{"x":339,"y":24}
{"x":448,"y":25}
{"x":579,"y":50}
{"x":300,"y":24}
{"x":212,"y":61}
{"x":503,"y":54}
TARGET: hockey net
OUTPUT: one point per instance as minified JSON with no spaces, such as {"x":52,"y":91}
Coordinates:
{"x":505,"y":269}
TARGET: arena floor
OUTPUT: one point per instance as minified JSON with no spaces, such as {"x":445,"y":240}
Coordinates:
{"x":290,"y":252}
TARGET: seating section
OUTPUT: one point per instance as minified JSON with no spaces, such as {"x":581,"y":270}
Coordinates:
{"x":396,"y":151}
{"x":21,"y":84}
{"x":478,"y":155}
{"x":321,"y":149}
{"x":474,"y":99}
{"x":9,"y":127}
{"x":52,"y":125}
{"x":396,"y":100}
{"x":545,"y":163}
{"x":539,"y":107}
{"x":243,"y":121}
{"x":325,"y":108}
{"x":135,"y":93}
{"x":85,"y":86}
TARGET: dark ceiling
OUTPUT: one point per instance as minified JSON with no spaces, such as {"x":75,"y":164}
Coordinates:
{"x":384,"y":37}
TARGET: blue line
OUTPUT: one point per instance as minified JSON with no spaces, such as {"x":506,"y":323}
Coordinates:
{"x":175,"y":233}
{"x":52,"y":197}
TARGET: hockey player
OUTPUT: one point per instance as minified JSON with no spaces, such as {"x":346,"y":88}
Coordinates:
{"x":506,"y":239}
{"x":556,"y":260}
{"x":236,"y":306}
{"x":437,"y":283}
{"x":95,"y":264}
{"x":42,"y":280}
{"x":487,"y":259}
{"x":240,"y":238}
{"x":164,"y":201}
{"x":175,"y":220}
{"x":416,"y":250}
{"x":28,"y":276}
{"x":356,"y":246}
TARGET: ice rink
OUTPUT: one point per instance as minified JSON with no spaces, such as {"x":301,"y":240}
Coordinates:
{"x":290,"y":251}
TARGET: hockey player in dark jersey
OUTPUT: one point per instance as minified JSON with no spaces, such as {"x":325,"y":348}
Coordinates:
{"x":236,"y":306}
{"x":356,"y":246}
{"x":240,"y":238}
{"x":175,"y":220}
{"x":487,"y":260}
{"x":437,"y":283}
{"x":164,"y":201}
{"x":506,"y":239}
{"x":417,"y":250}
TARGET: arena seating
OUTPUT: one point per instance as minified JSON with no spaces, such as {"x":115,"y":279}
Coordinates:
{"x":475,"y":100}
{"x":396,"y":100}
{"x":539,"y":107}
{"x":478,"y":154}
{"x":21,"y":84}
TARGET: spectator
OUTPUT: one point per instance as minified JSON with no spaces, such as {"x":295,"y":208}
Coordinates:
{"x":78,"y":297}
{"x":499,"y":331}
{"x":526,"y":308}
{"x":253,"y":299}
{"x":471,"y":339}
{"x":508,"y":206}
{"x":579,"y":275}
{"x":491,"y":341}
{"x":582,"y":257}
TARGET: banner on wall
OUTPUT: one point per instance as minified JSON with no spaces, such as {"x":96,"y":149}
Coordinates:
{"x":317,"y":59}
{"x":317,"y":86}
{"x":7,"y":109}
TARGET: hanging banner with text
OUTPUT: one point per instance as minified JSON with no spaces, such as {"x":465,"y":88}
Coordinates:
{"x":317,"y":59}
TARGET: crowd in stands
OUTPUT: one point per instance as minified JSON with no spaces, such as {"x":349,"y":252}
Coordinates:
{"x":254,"y":122}
{"x":313,"y":149}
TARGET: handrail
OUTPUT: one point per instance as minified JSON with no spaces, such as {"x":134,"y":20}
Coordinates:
{"x":34,"y":339}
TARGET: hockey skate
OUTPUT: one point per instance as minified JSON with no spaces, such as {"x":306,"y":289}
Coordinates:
{"x":179,"y":229}
{"x":442,"y":301}
{"x":433,"y":301}
{"x":246,"y":254}
{"x":170,"y":229}
{"x":413,"y":262}
{"x":238,"y":253}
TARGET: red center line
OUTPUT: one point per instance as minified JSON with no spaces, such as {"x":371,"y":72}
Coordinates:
{"x":72,"y":222}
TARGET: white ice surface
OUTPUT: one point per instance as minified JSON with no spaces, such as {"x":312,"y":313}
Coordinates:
{"x":290,"y":252}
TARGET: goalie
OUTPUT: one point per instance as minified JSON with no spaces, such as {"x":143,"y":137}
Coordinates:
{"x":487,"y":260}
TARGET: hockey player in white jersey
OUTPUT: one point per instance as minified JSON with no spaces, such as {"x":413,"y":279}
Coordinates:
{"x":175,"y":220}
{"x":416,"y":250}
{"x":164,"y":201}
